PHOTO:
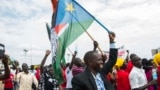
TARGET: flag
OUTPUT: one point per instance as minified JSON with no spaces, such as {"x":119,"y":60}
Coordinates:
{"x":54,"y":45}
{"x":54,"y":4}
{"x":54,"y":41}
{"x":54,"y":7}
{"x":71,"y":21}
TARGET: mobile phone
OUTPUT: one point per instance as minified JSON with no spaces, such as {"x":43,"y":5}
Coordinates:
{"x":2,"y":50}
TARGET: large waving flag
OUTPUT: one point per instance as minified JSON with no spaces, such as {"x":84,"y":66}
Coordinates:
{"x":71,"y":21}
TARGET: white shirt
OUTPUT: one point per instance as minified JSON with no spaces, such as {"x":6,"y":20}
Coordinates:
{"x":69,"y":77}
{"x":33,"y":72}
{"x":137,"y":78}
{"x":26,"y":80}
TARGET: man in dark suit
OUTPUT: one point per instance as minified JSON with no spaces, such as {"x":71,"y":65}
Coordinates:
{"x":94,"y":76}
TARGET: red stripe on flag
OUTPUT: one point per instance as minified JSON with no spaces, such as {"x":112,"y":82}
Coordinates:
{"x":59,"y":27}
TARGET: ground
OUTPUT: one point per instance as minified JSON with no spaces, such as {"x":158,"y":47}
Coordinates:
{"x":1,"y":86}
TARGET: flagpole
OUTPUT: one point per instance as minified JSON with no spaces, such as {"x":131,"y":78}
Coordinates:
{"x":94,"y":40}
{"x":93,"y":17}
{"x":70,"y":50}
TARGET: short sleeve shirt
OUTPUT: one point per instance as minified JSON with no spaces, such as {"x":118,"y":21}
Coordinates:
{"x":137,"y":78}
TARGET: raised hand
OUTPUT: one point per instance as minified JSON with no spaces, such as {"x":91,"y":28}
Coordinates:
{"x":112,"y":37}
{"x":74,"y":55}
{"x":95,"y":43}
{"x":104,"y":58}
{"x":47,"y":52}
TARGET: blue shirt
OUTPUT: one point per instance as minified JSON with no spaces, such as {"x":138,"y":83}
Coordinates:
{"x":99,"y":82}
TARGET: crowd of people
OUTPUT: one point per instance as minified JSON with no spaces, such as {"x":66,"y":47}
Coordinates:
{"x":95,"y":72}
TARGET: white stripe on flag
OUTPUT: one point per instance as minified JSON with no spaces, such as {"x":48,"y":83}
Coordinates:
{"x":54,"y":44}
{"x":63,"y":29}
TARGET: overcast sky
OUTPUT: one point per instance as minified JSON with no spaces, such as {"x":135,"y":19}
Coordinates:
{"x":135,"y":22}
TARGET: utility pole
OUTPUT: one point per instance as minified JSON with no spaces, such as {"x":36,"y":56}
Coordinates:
{"x":25,"y":52}
{"x":31,"y":54}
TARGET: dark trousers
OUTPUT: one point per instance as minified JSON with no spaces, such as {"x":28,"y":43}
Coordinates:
{"x":8,"y":88}
{"x":68,"y":89}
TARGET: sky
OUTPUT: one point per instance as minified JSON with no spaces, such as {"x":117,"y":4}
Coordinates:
{"x":135,"y":22}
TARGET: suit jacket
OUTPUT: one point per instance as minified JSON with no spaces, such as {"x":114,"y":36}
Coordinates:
{"x":85,"y":80}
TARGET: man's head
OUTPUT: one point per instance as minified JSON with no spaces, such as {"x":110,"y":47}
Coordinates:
{"x":50,"y":69}
{"x":25,"y":67}
{"x":15,"y":64}
{"x":132,"y":55}
{"x":137,"y":61}
{"x":93,"y":60}
{"x":32,"y":67}
{"x":78,"y":62}
{"x":144,"y":62}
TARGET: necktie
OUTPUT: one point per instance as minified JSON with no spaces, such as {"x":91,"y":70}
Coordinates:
{"x":99,"y":82}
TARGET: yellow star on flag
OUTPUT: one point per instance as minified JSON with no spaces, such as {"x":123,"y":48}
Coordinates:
{"x":70,"y":7}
